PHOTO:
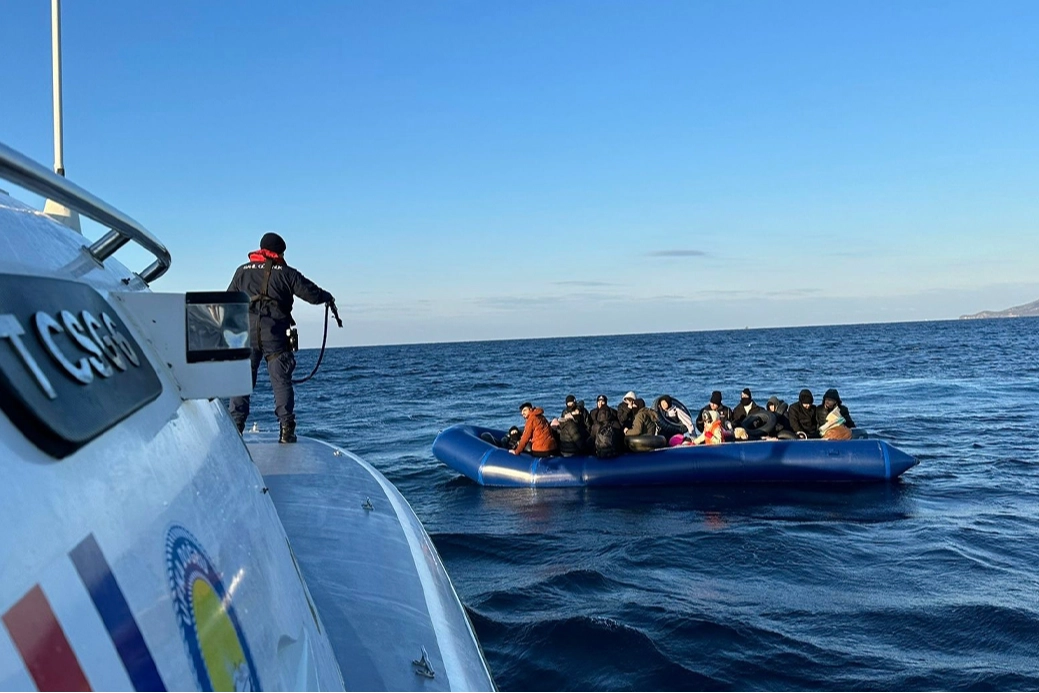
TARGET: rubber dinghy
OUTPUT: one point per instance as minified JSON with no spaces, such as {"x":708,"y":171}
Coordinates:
{"x":462,"y":448}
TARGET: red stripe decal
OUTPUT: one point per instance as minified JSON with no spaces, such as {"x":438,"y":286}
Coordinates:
{"x":43,"y":645}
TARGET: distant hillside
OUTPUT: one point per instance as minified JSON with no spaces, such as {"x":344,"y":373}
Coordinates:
{"x":1028,"y":310}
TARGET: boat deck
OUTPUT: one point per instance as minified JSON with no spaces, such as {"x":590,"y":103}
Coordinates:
{"x":370,"y":569}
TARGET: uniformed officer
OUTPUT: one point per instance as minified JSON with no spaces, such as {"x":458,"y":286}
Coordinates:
{"x":271,"y":285}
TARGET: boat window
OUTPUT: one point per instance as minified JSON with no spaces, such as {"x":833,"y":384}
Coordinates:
{"x":217,"y":326}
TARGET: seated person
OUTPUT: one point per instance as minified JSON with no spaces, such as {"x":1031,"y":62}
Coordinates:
{"x":745,"y":408}
{"x":832,"y":426}
{"x":832,"y":400}
{"x":626,"y":410}
{"x":715,"y":406}
{"x":779,"y":408}
{"x":609,"y":443}
{"x":577,"y":405}
{"x":511,"y":439}
{"x":603,"y":415}
{"x":803,"y":418}
{"x":675,"y":414}
{"x":716,"y":430}
{"x":645,"y":422}
{"x":537,"y":432}
{"x":572,"y":429}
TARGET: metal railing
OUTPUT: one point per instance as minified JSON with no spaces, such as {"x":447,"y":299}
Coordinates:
{"x":26,"y":173}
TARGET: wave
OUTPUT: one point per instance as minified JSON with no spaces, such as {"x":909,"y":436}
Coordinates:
{"x":579,"y":653}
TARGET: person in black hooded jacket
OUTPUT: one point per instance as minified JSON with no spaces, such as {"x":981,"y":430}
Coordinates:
{"x":832,"y":399}
{"x":573,"y":428}
{"x":626,"y":410}
{"x":803,"y":418}
{"x":574,"y":405}
{"x":271,"y":285}
{"x":779,"y":408}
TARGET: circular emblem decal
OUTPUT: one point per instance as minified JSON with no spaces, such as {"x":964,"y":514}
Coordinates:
{"x":212,"y":635}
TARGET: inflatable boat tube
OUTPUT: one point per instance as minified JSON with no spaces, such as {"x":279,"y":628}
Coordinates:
{"x":645,"y":443}
{"x":462,"y":448}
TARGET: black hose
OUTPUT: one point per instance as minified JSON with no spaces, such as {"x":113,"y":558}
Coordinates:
{"x":324,"y":340}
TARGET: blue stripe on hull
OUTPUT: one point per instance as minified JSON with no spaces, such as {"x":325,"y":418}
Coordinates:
{"x":115,"y":613}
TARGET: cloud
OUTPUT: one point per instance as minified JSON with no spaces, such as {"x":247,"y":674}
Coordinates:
{"x":677,"y":253}
{"x":587,"y":284}
{"x":512,"y":303}
{"x":792,"y":293}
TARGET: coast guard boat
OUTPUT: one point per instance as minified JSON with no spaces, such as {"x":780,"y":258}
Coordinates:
{"x":144,"y":544}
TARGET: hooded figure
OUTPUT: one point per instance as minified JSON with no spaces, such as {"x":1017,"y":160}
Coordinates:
{"x":573,"y":428}
{"x":626,"y":410}
{"x":803,"y":416}
{"x":831,"y":400}
{"x":576,"y":406}
{"x":779,"y":408}
{"x":674,"y":417}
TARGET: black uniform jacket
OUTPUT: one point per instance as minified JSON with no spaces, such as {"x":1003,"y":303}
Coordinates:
{"x":270,"y":316}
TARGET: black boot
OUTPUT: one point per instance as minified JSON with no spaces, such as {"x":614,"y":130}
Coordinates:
{"x":288,"y":432}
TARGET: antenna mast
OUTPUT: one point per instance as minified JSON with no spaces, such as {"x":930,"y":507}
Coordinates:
{"x":59,"y":163}
{"x":52,"y":209}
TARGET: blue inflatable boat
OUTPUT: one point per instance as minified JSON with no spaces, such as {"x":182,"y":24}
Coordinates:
{"x":463,"y":449}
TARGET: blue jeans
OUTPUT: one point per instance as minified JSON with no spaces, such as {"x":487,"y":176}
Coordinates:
{"x":279,"y":367}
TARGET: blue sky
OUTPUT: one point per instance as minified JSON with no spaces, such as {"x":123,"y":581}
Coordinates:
{"x":477,"y":170}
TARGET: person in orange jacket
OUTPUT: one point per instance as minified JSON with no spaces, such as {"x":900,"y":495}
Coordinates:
{"x":537,"y":432}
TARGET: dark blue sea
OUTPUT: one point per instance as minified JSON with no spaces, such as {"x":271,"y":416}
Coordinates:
{"x":926,"y":583}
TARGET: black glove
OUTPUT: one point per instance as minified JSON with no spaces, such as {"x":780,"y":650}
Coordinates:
{"x":331,"y":303}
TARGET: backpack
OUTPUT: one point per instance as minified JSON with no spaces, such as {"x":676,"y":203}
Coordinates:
{"x":571,"y":435}
{"x":606,"y":442}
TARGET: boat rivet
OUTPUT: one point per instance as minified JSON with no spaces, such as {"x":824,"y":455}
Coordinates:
{"x":367,"y":504}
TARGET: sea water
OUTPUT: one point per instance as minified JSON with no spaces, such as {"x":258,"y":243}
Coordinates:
{"x":930,"y":582}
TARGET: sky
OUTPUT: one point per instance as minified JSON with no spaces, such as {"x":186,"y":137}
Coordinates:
{"x":466,"y":170}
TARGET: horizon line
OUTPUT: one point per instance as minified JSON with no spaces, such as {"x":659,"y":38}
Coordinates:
{"x":666,"y":332}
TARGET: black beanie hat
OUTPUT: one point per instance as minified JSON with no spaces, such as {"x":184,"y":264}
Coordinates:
{"x":832,"y":394}
{"x":746,"y":393}
{"x":805,"y":397}
{"x":570,"y":398}
{"x":273,"y":242}
{"x":716,"y":397}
